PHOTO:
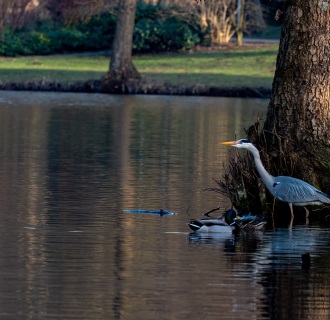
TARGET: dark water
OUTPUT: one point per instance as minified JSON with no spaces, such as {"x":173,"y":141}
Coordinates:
{"x":69,"y":165}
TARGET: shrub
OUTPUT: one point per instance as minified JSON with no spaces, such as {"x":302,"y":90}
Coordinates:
{"x":66,"y":40}
{"x":154,"y":36}
{"x":36,"y":42}
{"x":156,"y":30}
{"x":99,"y":31}
{"x":178,"y":36}
{"x":11,"y":44}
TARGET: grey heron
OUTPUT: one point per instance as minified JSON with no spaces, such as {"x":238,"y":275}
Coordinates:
{"x":287,"y":189}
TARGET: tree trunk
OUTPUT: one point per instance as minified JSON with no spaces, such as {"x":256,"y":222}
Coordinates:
{"x":297,"y":127}
{"x":240,"y":21}
{"x":239,"y":37}
{"x":121,"y":65}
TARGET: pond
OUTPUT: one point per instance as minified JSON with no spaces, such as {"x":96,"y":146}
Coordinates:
{"x":71,"y":163}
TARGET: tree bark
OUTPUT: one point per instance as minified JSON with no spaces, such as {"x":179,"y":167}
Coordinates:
{"x":121,"y":65}
{"x":239,"y":38}
{"x":240,"y":21}
{"x":297,"y":128}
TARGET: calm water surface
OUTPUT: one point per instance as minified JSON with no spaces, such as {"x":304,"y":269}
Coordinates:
{"x":70,"y":164}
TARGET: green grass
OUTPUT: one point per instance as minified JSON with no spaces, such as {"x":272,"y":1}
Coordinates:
{"x":249,"y":66}
{"x":62,"y":68}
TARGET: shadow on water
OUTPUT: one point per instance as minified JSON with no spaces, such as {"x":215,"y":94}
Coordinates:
{"x":70,"y":164}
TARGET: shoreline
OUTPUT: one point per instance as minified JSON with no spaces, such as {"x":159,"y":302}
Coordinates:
{"x":137,"y":86}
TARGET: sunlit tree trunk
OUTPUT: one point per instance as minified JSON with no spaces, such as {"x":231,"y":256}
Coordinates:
{"x":297,"y":127}
{"x":240,"y":22}
{"x":121,"y":65}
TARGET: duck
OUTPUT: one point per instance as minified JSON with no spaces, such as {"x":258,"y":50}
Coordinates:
{"x":228,"y":222}
{"x":250,"y":222}
{"x":221,"y":224}
{"x":211,"y":225}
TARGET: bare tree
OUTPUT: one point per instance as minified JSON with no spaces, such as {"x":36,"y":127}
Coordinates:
{"x":4,"y":10}
{"x":69,"y":12}
{"x":219,"y":15}
{"x":249,"y":17}
{"x":227,"y":17}
{"x":18,"y":13}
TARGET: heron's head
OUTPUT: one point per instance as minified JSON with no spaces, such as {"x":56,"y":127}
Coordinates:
{"x":242,"y":143}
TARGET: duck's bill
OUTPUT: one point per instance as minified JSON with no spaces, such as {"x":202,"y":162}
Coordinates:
{"x":229,"y":143}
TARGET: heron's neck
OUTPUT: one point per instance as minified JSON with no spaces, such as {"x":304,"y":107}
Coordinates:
{"x":267,"y":178}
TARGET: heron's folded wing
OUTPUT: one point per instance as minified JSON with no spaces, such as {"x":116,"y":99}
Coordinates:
{"x":293,"y":190}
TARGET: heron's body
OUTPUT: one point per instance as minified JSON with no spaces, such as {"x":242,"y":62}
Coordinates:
{"x":297,"y":192}
{"x":287,"y":189}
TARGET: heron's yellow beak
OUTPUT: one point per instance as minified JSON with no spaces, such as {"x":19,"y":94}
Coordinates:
{"x":229,"y":143}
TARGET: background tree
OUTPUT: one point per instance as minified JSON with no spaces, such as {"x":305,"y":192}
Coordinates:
{"x":297,"y":128}
{"x":69,"y":12}
{"x":249,"y":18}
{"x":16,"y":14}
{"x":121,"y":65}
{"x":221,"y":16}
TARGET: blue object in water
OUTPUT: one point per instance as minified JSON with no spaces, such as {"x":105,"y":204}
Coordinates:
{"x":250,"y":222}
{"x":248,"y":217}
{"x":159,"y":212}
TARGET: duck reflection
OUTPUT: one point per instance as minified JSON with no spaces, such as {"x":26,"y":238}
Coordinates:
{"x":214,"y":238}
{"x":245,"y":241}
{"x":211,"y":238}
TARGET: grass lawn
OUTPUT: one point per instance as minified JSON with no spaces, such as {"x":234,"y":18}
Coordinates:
{"x":247,"y":66}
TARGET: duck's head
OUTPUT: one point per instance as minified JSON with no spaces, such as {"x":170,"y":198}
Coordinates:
{"x":229,"y":216}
